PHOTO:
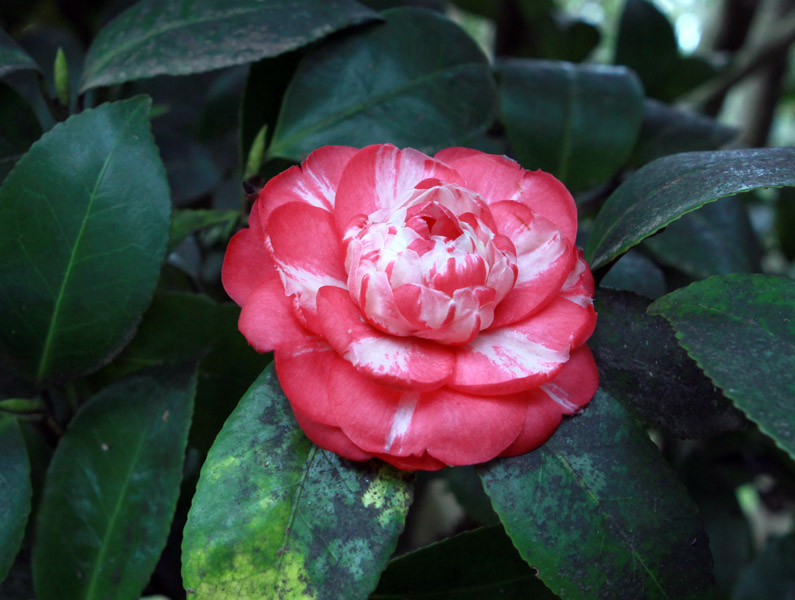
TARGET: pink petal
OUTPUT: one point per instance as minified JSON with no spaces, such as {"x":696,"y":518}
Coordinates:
{"x":267,"y":319}
{"x":380,"y":175}
{"x":426,"y":462}
{"x":313,"y":183}
{"x":544,"y":259}
{"x":393,"y":361}
{"x":329,"y":437}
{"x":579,"y":286}
{"x":523,"y":355}
{"x":247,"y":265}
{"x":453,"y":427}
{"x":542,"y":419}
{"x":303,"y":370}
{"x":499,"y":178}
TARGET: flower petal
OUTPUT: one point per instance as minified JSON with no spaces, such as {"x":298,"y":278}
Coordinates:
{"x":267,"y":319}
{"x":453,"y":427}
{"x":499,"y":178}
{"x":379,"y":176}
{"x":393,"y":361}
{"x":303,"y":370}
{"x":425,"y":462}
{"x":329,"y":437}
{"x":247,"y":265}
{"x":579,"y":285}
{"x":313,"y":183}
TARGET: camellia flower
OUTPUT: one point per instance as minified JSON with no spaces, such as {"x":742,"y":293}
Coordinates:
{"x":425,"y":311}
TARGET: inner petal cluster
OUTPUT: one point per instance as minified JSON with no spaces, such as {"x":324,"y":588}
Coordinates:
{"x":432,"y":266}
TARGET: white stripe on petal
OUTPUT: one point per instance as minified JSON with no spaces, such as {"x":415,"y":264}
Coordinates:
{"x":561,"y":397}
{"x":513,"y":353}
{"x":402,"y":419}
{"x":380,"y":354}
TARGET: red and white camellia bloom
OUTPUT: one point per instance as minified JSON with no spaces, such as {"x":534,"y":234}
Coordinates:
{"x":425,"y":311}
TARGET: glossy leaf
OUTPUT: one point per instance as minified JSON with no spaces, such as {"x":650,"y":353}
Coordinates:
{"x":470,"y":566}
{"x":642,"y":366}
{"x":112,"y":487}
{"x":740,"y":329}
{"x":12,"y":57}
{"x":670,"y":187}
{"x":716,"y":239}
{"x":366,"y":88}
{"x":557,"y":113}
{"x":772,"y":574}
{"x":84,"y":220}
{"x":154,"y":38}
{"x":599,"y":513}
{"x":305,"y":524}
{"x":636,"y":273}
{"x":19,"y":128}
{"x":15,"y":491}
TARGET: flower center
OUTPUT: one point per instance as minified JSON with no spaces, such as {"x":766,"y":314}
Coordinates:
{"x":432,"y":267}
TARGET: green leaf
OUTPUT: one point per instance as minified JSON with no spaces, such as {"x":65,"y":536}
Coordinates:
{"x":12,"y":57}
{"x":84,"y":221}
{"x":368,"y":88}
{"x":186,"y":222}
{"x":191,"y":36}
{"x":557,"y":114}
{"x":772,"y":574}
{"x":19,"y":128}
{"x":636,"y":273}
{"x":599,"y":513}
{"x":670,"y":187}
{"x":717,"y":239}
{"x":470,"y":566}
{"x":642,"y":366}
{"x":112,"y":488}
{"x":740,"y":329}
{"x":15,"y":491}
{"x":305,"y":524}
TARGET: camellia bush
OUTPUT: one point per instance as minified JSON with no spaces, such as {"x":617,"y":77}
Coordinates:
{"x":500,"y":310}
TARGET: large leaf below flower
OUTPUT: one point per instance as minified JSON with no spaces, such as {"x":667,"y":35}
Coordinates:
{"x":740,"y":329}
{"x":600,"y":514}
{"x":153,"y":37}
{"x":417,"y":80}
{"x":305,"y":524}
{"x":557,"y":113}
{"x":112,"y":487}
{"x":84,"y":220}
{"x":672,"y":186}
{"x":15,"y":491}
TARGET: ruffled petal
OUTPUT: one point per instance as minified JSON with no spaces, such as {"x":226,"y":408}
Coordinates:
{"x":329,"y":437}
{"x":579,"y":285}
{"x":379,"y":176}
{"x":393,"y":361}
{"x":247,"y":265}
{"x":267,"y":319}
{"x":425,"y":462}
{"x":313,"y":183}
{"x":303,"y":371}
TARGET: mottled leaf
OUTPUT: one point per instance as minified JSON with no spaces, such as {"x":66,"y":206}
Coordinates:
{"x":740,"y":329}
{"x":15,"y":491}
{"x":112,"y":487}
{"x":12,"y":57}
{"x":599,"y":513}
{"x":19,"y":128}
{"x":368,"y":88}
{"x":642,"y":366}
{"x":305,"y":523}
{"x":670,"y":187}
{"x":84,"y":221}
{"x":557,"y":113}
{"x":191,"y":36}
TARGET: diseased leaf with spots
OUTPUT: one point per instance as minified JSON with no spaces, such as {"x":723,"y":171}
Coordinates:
{"x":740,"y":329}
{"x":112,"y":488}
{"x":84,"y":219}
{"x":15,"y":491}
{"x":600,"y":514}
{"x":305,"y":523}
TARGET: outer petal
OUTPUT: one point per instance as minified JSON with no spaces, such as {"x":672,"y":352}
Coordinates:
{"x":379,"y":176}
{"x":570,"y":390}
{"x":329,"y":437}
{"x":500,"y":178}
{"x":525,"y":354}
{"x":426,"y":462}
{"x":579,"y":285}
{"x":398,"y":362}
{"x":455,"y":428}
{"x":247,"y":265}
{"x":267,"y":319}
{"x":544,"y":258}
{"x":313,"y":183}
{"x":303,"y":370}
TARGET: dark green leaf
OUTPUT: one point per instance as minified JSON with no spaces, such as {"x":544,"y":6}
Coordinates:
{"x":305,"y":524}
{"x":740,"y":329}
{"x":785,"y":221}
{"x":470,"y":566}
{"x":636,"y":273}
{"x":112,"y":488}
{"x":772,"y":575}
{"x":668,"y":130}
{"x":417,"y":80}
{"x":12,"y":57}
{"x":187,"y":36}
{"x":15,"y":491}
{"x":599,"y":513}
{"x":186,"y":222}
{"x":670,"y":187}
{"x":642,"y":366}
{"x":557,"y":114}
{"x":717,"y":239}
{"x":562,"y":38}
{"x":19,"y":128}
{"x":84,"y":221}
